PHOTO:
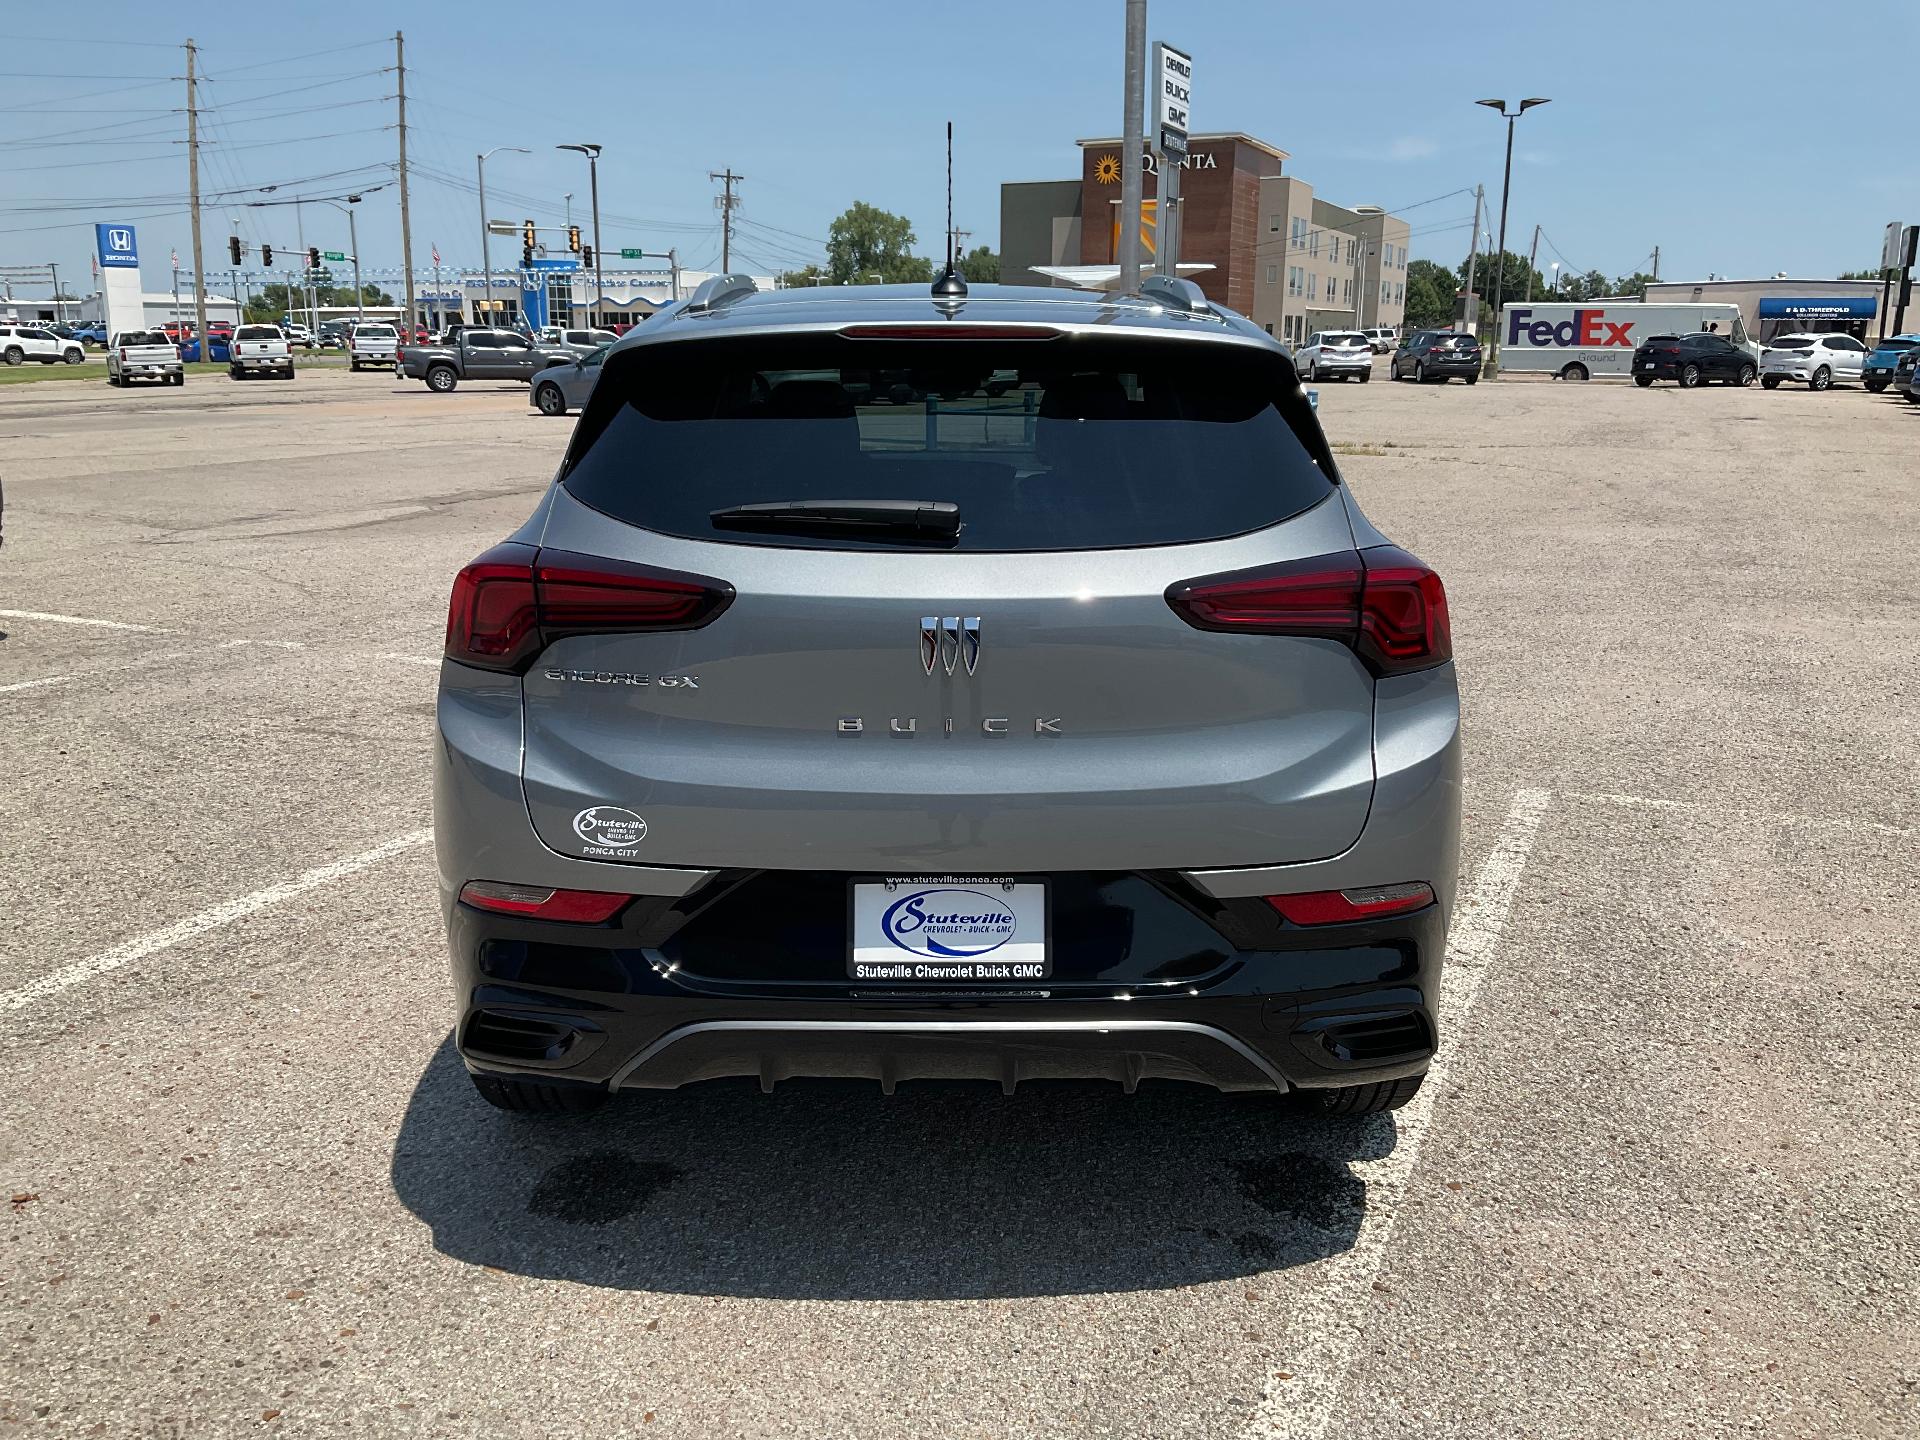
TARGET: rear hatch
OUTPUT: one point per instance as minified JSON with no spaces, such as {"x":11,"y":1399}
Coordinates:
{"x":1346,"y":347}
{"x":866,"y":689}
{"x":256,"y":342}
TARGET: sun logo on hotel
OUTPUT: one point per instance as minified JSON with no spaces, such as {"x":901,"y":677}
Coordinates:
{"x":1106,"y":170}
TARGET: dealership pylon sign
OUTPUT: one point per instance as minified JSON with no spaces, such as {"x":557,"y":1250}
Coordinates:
{"x":117,"y":248}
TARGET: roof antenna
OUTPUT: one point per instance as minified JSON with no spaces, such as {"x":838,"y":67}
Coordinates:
{"x":950,"y":285}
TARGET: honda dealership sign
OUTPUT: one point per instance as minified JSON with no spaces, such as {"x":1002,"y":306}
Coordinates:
{"x":117,"y":249}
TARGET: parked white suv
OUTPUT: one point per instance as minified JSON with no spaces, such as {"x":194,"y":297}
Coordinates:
{"x":1816,"y":360}
{"x":374,"y":344}
{"x":260,"y":350}
{"x":1335,"y":353}
{"x":21,"y":343}
{"x":1383,"y":338}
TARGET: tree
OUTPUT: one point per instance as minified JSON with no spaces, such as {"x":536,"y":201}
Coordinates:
{"x":869,"y":246}
{"x":1430,"y":295}
{"x":1861,"y":275}
{"x":1513,"y":280}
{"x":1634,"y":284}
{"x":802,"y":279}
{"x":980,"y":266}
{"x":280,"y":298}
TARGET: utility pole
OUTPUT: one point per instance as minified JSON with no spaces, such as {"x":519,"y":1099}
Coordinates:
{"x":54,"y":270}
{"x":1656,"y":262}
{"x":1133,"y":122}
{"x":193,"y":203}
{"x":727,"y":202}
{"x":673,"y":269}
{"x":406,"y":221}
{"x":1472,"y":319}
{"x":1533,"y":260}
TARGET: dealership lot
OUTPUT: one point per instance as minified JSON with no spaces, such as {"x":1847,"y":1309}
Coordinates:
{"x":1659,"y":1182}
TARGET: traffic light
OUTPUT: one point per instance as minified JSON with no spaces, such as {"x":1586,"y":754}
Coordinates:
{"x":573,"y":238}
{"x":233,"y":248}
{"x":586,"y":256}
{"x":526,"y":236}
{"x":313,"y":257}
{"x":266,"y":257}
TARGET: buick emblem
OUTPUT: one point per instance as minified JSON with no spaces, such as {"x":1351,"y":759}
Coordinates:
{"x":947,"y":641}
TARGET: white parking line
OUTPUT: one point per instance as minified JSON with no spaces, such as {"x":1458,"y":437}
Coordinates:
{"x":1766,"y":817}
{"x":1334,"y":1320}
{"x":34,"y":684}
{"x":224,"y":913}
{"x":81,"y":620}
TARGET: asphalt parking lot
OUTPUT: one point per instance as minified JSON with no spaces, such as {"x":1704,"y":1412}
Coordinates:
{"x":1659,"y":1184}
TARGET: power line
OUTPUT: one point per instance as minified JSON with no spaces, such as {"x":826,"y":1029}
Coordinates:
{"x":306,"y":55}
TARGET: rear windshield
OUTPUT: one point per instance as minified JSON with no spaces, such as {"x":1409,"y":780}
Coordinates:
{"x":1894,"y":347}
{"x":1060,"y":444}
{"x":377,"y":332}
{"x":143,"y":337}
{"x":1346,"y":339}
{"x":1792,"y":344}
{"x":258,"y":332}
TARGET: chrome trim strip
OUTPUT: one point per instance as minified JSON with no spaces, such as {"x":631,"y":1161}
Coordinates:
{"x":956,"y":1027}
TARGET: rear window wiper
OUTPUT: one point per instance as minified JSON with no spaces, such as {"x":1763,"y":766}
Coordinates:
{"x":922,"y":519}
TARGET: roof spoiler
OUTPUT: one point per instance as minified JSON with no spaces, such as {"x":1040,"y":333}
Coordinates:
{"x":1175,"y":294}
{"x":720,"y":290}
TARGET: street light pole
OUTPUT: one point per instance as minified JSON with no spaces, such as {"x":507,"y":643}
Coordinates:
{"x":592,"y":152}
{"x":353,"y":239}
{"x":1506,"y":186}
{"x":486,"y":250}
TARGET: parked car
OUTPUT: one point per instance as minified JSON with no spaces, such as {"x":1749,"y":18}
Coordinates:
{"x":1691,"y":360}
{"x":220,"y":330}
{"x":781,"y":817}
{"x":478,"y":354}
{"x":1381,"y":338}
{"x":1336,"y":354}
{"x":219,"y":351}
{"x":1878,"y":372}
{"x":580,"y":342}
{"x":144,"y":355}
{"x":260,"y":350}
{"x":298,"y":335}
{"x":1906,"y":370}
{"x":178,"y":331}
{"x":1818,"y":360}
{"x":21,"y":343}
{"x":1437,"y":355}
{"x":92,"y":335}
{"x":332,"y":334}
{"x":373,"y":345}
{"x":560,"y":388}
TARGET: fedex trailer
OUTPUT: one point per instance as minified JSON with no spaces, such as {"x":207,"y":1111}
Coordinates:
{"x":1598,"y":337}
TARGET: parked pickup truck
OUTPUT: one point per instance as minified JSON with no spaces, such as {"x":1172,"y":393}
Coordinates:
{"x":260,"y":350}
{"x":471,"y":354}
{"x":144,"y":354}
{"x":373,"y":345}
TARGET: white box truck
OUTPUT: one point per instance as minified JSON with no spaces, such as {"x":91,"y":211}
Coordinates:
{"x":1577,"y":341}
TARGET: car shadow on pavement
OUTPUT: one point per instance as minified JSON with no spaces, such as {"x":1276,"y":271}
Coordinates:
{"x":830,"y":1190}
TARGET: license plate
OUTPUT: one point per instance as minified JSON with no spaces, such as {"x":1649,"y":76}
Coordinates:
{"x":949,"y":928}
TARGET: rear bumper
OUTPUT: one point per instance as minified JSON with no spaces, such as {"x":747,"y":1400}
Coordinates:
{"x":1344,"y":1006}
{"x":1352,"y":366}
{"x":1450,"y":367}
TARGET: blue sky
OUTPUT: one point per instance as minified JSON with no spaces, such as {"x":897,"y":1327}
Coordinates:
{"x":1654,"y":136}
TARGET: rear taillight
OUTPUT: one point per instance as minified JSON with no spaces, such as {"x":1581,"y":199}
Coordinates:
{"x":515,"y":600}
{"x":1337,"y":907}
{"x":123,"y":354}
{"x":1383,"y":603}
{"x":399,"y":354}
{"x":539,"y":902}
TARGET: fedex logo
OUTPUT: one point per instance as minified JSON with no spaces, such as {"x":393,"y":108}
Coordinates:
{"x":1587,"y":327}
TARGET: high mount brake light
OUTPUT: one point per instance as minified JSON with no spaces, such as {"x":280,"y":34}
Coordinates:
{"x":950,"y":332}
{"x":515,"y":600}
{"x":539,"y":902}
{"x":1381,"y":602}
{"x":1335,"y":907}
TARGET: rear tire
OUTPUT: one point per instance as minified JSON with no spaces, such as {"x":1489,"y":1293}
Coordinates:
{"x":74,"y":357}
{"x":1419,"y":373}
{"x":1691,"y":377}
{"x":549,"y":400}
{"x":15,"y":355}
{"x":1769,"y":382}
{"x":1375,"y":1099}
{"x":1365,"y":376}
{"x":1575,"y":371}
{"x":1746,"y":376}
{"x":1645,"y":382}
{"x":441,"y":379}
{"x":1822,"y":379}
{"x":180,"y":379}
{"x":1874,"y":387}
{"x":540,"y":1097}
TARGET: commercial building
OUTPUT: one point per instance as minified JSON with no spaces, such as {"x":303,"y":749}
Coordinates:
{"x":1251,"y":236}
{"x":1784,"y":306}
{"x":161,"y":307}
